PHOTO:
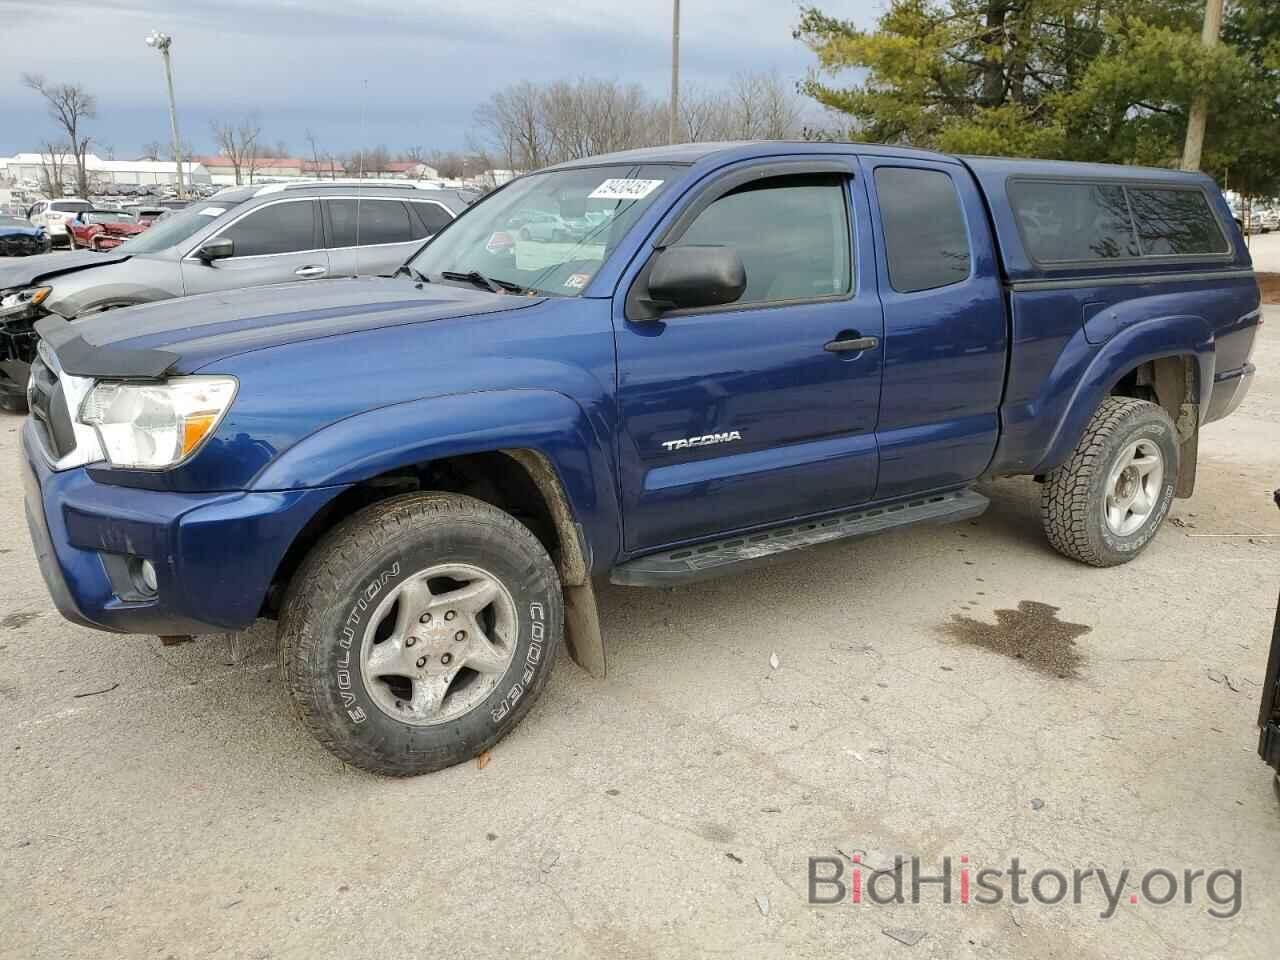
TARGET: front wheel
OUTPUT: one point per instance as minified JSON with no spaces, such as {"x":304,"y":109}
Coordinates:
{"x":419,"y":632}
{"x":1104,"y":505}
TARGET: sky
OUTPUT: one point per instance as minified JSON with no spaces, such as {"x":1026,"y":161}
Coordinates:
{"x":404,"y":73}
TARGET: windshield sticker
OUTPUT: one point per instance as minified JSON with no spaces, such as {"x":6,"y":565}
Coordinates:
{"x":577,"y":281}
{"x":498,"y":242}
{"x":213,"y":211}
{"x":624,"y":189}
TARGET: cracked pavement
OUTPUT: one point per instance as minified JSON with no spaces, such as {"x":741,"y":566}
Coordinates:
{"x":671,"y":809}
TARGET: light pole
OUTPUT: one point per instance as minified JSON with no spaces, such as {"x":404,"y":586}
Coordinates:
{"x":162,"y":42}
{"x":673,"y":127}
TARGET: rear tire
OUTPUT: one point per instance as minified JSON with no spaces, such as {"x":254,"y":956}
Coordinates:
{"x":462,"y":583}
{"x":1106,"y":503}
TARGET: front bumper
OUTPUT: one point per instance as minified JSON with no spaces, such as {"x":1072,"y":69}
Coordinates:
{"x":215,"y":554}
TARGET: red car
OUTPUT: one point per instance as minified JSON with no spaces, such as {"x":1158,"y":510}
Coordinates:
{"x":102,"y":229}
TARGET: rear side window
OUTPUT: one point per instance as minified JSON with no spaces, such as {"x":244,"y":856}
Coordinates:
{"x":1172,"y":222}
{"x":278,"y":228}
{"x":380,"y":221}
{"x":1065,"y":222}
{"x":925,"y":239}
{"x":1080,"y":222}
{"x":432,"y":217}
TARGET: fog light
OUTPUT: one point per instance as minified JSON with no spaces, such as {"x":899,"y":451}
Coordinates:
{"x":147,"y":573}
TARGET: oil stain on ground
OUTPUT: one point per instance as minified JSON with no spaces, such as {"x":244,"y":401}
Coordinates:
{"x":1032,"y":633}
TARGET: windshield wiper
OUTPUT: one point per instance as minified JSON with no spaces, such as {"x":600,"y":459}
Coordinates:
{"x":416,"y":274}
{"x":492,"y":284}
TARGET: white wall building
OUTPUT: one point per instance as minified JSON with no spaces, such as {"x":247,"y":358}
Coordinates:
{"x":30,"y":167}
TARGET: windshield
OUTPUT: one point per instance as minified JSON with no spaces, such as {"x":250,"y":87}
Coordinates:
{"x":108,"y":216}
{"x":547,"y":232}
{"x":175,"y":227}
{"x":14,"y":222}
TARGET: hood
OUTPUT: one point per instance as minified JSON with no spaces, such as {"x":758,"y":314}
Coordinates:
{"x":31,"y":270}
{"x":180,"y":336}
{"x":123,"y":229}
{"x":21,"y":231}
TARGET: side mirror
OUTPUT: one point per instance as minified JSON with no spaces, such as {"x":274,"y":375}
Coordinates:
{"x":217,"y":249}
{"x":696,"y":276}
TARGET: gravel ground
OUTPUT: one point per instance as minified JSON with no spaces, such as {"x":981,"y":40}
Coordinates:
{"x":927,"y":699}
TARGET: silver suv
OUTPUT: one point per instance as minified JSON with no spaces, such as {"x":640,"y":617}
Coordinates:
{"x":239,"y":237}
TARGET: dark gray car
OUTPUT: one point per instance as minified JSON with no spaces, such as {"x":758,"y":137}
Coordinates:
{"x":240,"y":237}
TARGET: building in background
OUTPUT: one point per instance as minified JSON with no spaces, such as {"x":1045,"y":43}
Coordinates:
{"x":28,"y":169}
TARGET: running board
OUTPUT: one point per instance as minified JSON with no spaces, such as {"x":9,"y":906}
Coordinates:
{"x":724,"y":556}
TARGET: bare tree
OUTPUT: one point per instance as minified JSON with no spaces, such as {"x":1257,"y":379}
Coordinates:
{"x":70,"y":105}
{"x":239,"y":144}
{"x":531,"y":126}
{"x":152,"y":150}
{"x":53,"y":161}
{"x":451,"y":165}
{"x":762,"y":108}
{"x":368,"y":163}
{"x":513,"y":121}
{"x":418,"y":157}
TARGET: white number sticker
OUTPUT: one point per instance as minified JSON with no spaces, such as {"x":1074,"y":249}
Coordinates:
{"x":213,"y":211}
{"x":624,"y":189}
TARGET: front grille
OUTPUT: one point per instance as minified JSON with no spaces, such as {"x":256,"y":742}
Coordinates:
{"x":21,"y":246}
{"x":48,"y":402}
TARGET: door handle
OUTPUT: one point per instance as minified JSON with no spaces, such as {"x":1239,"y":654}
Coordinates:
{"x":308,"y":272}
{"x":851,"y":345}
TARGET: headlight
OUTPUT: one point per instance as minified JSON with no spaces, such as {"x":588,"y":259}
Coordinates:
{"x":153,"y":425}
{"x":19,"y":300}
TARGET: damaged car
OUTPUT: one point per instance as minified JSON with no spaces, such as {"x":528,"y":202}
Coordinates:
{"x":240,"y":237}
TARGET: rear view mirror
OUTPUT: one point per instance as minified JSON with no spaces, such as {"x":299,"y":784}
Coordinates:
{"x":217,"y":249}
{"x":696,"y":276}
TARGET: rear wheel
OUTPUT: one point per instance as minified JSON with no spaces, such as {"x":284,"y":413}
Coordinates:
{"x":1104,"y":505}
{"x":419,"y":632}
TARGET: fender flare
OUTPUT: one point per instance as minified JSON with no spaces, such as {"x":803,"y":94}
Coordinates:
{"x":549,"y":434}
{"x":1139,"y":343}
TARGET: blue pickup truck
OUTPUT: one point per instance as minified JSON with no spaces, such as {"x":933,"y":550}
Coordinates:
{"x":736,"y":351}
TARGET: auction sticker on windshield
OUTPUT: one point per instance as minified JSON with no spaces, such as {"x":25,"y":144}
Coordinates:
{"x":622,"y":188}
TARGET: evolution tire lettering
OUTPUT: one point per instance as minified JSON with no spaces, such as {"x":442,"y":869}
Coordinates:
{"x":343,"y":672}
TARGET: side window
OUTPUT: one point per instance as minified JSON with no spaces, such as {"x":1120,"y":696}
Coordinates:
{"x":1066,"y":222}
{"x":380,"y":221}
{"x":287,"y":227}
{"x":926,"y":242}
{"x":431,"y":216}
{"x":1175,"y":222}
{"x":791,"y":232}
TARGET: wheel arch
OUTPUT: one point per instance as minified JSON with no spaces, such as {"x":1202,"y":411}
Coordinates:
{"x":534,"y":455}
{"x":1169,"y":360}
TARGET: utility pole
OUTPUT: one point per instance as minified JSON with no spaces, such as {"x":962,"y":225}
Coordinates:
{"x":162,"y":42}
{"x":673,"y":128}
{"x":1200,"y":106}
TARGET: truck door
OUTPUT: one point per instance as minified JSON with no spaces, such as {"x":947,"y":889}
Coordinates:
{"x":944,"y":326}
{"x":765,"y":409}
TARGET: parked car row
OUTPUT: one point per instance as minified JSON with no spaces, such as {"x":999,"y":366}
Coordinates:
{"x":242,"y":237}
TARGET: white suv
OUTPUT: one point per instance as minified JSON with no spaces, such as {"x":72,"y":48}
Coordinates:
{"x":53,"y":216}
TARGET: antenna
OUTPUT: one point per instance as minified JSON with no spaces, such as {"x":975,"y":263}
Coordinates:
{"x":364,"y":133}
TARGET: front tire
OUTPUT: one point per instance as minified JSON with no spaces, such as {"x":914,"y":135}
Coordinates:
{"x":1105,"y":504}
{"x":419,"y":632}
